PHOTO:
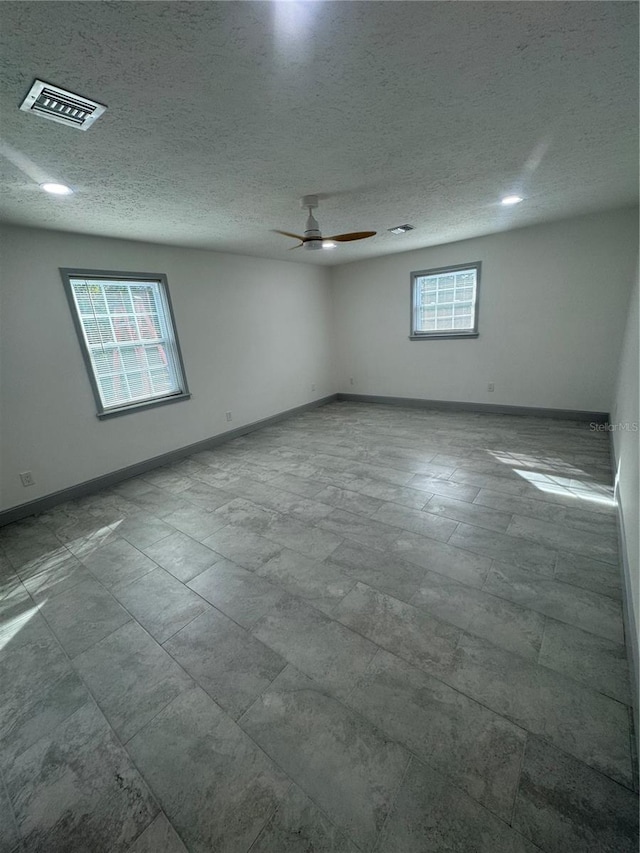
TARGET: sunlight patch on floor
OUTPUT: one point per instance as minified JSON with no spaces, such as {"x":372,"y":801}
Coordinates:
{"x":577,"y":489}
{"x":12,"y":627}
{"x":544,"y":463}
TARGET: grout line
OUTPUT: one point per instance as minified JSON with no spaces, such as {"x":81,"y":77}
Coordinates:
{"x":486,"y":578}
{"x":516,"y":788}
{"x":392,"y":805}
{"x":268,"y":820}
{"x":186,"y":625}
{"x":12,"y":812}
{"x":633,"y":748}
{"x":266,"y":688}
{"x":544,"y":633}
{"x":161,"y":813}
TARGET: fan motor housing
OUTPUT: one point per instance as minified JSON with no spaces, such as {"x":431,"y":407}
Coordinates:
{"x":312,"y":233}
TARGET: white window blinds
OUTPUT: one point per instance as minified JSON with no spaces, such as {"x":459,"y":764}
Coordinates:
{"x":129,"y":338}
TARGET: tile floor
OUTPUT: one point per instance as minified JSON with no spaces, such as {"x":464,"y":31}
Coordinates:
{"x":362,"y":629}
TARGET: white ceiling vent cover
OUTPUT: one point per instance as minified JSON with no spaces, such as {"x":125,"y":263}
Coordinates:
{"x":62,"y":106}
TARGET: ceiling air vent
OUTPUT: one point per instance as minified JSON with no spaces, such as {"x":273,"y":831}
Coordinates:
{"x":401,"y":229}
{"x":61,"y":106}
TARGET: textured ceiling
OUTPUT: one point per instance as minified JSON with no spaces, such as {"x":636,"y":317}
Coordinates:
{"x":222,"y":114}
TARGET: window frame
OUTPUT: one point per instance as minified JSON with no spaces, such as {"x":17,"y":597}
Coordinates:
{"x":416,"y":335}
{"x":103,"y":413}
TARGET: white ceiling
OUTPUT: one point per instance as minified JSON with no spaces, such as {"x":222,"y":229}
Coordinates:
{"x":222,"y":114}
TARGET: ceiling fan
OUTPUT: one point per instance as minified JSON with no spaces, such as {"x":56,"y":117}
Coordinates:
{"x":313,"y":239}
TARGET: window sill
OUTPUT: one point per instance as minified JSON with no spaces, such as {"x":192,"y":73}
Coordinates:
{"x":137,"y":407}
{"x":434,"y":336}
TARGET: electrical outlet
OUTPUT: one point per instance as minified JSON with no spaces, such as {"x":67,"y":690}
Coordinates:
{"x":491,"y":386}
{"x":27,"y":478}
{"x":227,"y":415}
{"x":351,"y":382}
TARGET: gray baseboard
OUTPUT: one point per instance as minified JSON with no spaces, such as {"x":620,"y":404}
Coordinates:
{"x":630,"y":625}
{"x":103,"y":482}
{"x":490,"y":408}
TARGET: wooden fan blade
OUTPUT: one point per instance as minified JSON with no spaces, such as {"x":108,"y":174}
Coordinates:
{"x":297,"y":246}
{"x":288,"y":234}
{"x":355,"y":235}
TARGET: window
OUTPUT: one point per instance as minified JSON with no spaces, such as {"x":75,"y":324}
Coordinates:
{"x":444,"y":302}
{"x":127,"y":335}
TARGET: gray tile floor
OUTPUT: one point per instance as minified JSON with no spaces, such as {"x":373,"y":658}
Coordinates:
{"x":362,"y":629}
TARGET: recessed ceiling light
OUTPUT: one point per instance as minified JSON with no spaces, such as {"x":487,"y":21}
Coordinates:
{"x":56,"y":189}
{"x":512,"y":199}
{"x":401,"y":229}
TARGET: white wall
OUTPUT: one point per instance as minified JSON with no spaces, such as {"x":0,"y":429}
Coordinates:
{"x":552,"y":303}
{"x":625,"y":442}
{"x":255,"y":336}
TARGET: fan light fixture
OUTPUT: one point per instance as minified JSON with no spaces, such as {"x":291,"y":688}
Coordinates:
{"x":56,"y":189}
{"x":313,"y":238}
